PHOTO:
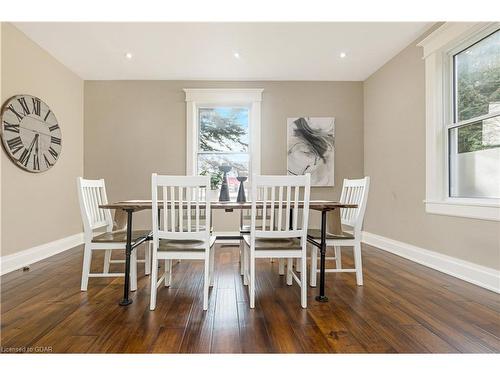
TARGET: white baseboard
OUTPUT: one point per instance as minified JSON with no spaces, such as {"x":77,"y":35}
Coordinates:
{"x":9,"y":263}
{"x":485,"y":277}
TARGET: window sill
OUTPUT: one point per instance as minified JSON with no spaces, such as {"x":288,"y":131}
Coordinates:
{"x":464,"y":208}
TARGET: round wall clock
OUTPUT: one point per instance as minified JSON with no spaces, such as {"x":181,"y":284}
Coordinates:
{"x":30,"y":133}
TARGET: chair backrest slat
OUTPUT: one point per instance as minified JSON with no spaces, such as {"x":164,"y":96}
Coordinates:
{"x":271,"y":221}
{"x":296,"y":208}
{"x":287,"y":213}
{"x":280,"y":207}
{"x":197,"y":210}
{"x":182,"y":199}
{"x":264,"y":209}
{"x":92,"y":194}
{"x":354,"y":192}
{"x":172,"y":207}
{"x":188,"y":213}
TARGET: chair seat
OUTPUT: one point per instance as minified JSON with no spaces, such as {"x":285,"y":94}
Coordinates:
{"x":316,"y":233}
{"x":184,"y":245}
{"x":275,"y":243}
{"x":120,"y":236}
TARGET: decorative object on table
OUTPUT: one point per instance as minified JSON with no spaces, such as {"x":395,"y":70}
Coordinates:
{"x":224,"y":189}
{"x":241,"y":191}
{"x":310,"y":148}
{"x":30,"y":133}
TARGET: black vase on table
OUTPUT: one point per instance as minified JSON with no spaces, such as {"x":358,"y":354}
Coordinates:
{"x":224,"y":189}
{"x":241,"y":191}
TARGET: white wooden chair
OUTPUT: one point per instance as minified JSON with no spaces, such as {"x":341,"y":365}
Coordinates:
{"x":183,"y":229}
{"x":91,"y":194}
{"x":282,"y":237}
{"x":356,"y":192}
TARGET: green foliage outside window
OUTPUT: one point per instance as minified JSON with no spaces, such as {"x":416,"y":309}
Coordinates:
{"x":478,"y":93}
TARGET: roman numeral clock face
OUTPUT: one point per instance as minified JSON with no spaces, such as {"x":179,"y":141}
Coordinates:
{"x":30,"y":133}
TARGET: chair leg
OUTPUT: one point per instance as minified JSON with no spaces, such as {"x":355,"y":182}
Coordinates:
{"x":242,"y":256}
{"x":168,"y":272}
{"x":154,"y":277}
{"x":303,"y":282}
{"x":338,"y":257}
{"x":289,"y":269}
{"x":358,"y":264}
{"x":314,"y":266}
{"x":107,"y":260}
{"x":298,"y":264}
{"x":246,"y":264}
{"x":252,"y":280}
{"x":147,"y":258}
{"x":281,"y":266}
{"x":133,"y":270}
{"x":212,"y":266}
{"x":87,"y":258}
{"x":206,"y":281}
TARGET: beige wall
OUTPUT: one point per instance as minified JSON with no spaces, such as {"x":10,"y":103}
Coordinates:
{"x":394,"y":157}
{"x":39,"y":208}
{"x":134,"y":128}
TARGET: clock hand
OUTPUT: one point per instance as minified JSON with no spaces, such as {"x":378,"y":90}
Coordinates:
{"x":34,"y":131}
{"x":33,"y":142}
{"x":36,"y":161}
{"x":27,"y":153}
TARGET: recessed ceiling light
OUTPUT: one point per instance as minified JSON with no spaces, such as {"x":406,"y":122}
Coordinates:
{"x":128,"y":55}
{"x":236,"y":55}
{"x":342,"y":55}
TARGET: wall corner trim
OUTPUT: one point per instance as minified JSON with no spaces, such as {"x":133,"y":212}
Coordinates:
{"x":12,"y":262}
{"x":484,"y":277}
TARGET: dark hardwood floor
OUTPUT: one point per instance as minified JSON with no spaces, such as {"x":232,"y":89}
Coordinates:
{"x":402,"y":308}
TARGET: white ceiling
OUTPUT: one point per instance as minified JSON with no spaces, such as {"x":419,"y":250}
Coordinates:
{"x":204,"y":51}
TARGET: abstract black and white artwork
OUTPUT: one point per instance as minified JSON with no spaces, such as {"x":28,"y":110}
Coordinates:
{"x":311,"y":145}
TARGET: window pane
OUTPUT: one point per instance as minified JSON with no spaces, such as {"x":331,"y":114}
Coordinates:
{"x":475,"y":159}
{"x":477,"y":78}
{"x":209,"y":164}
{"x":223,"y":129}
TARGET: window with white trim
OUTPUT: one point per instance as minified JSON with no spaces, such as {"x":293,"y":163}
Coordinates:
{"x":223,"y":128}
{"x":474,"y":129}
{"x":462,"y":67}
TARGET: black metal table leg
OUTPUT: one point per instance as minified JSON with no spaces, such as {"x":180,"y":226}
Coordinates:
{"x":322,"y":297}
{"x":128,"y":250}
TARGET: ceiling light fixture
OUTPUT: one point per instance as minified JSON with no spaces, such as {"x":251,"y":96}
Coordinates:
{"x":128,"y":55}
{"x":236,"y":55}
{"x":342,"y":55}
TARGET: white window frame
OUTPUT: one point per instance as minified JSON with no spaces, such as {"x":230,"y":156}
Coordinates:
{"x":439,"y":48}
{"x":202,"y":98}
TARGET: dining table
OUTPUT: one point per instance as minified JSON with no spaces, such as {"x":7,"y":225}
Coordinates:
{"x":124,"y":211}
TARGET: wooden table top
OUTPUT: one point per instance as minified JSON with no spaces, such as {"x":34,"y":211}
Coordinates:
{"x":137,"y":205}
